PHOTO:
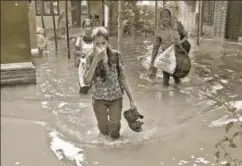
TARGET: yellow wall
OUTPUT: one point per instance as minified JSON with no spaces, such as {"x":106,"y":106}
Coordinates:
{"x":32,"y":26}
{"x":15,"y":39}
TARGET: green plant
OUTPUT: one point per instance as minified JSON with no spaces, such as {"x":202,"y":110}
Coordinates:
{"x":227,"y":143}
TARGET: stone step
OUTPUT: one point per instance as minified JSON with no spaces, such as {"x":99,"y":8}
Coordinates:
{"x":18,"y":73}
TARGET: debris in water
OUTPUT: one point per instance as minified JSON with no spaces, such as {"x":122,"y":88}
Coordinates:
{"x":173,"y":158}
{"x":223,"y":162}
{"x":17,"y":163}
{"x":224,"y":81}
{"x":183,"y":161}
{"x":217,"y":86}
{"x":44,"y":104}
{"x":62,"y":104}
{"x":96,"y":162}
{"x":192,"y":156}
{"x":201,"y":149}
{"x":201,"y":160}
{"x":161,"y":163}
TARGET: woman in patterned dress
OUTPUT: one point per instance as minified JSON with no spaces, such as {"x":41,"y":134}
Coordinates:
{"x":105,"y":71}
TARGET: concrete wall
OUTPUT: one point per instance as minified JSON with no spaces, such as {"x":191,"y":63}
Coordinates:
{"x":220,"y":15}
{"x":187,"y":15}
{"x":32,"y":26}
{"x":15,"y":38}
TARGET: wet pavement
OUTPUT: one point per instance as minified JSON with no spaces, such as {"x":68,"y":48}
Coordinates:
{"x":180,"y":126}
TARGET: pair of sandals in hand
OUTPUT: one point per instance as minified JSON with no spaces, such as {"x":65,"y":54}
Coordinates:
{"x":133,"y":118}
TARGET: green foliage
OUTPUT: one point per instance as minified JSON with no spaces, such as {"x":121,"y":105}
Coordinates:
{"x":228,"y":142}
{"x":139,"y":19}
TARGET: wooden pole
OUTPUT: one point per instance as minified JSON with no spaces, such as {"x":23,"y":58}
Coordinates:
{"x":67,"y":31}
{"x":202,"y":15}
{"x":103,"y":13}
{"x":54,"y":26}
{"x":42,"y":16}
{"x":156,"y":13}
{"x":198,"y":24}
{"x":80,"y":13}
{"x":120,"y":29}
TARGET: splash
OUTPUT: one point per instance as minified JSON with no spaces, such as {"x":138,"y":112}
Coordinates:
{"x":63,"y":148}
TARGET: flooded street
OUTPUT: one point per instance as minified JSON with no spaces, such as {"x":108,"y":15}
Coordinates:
{"x":181,"y":124}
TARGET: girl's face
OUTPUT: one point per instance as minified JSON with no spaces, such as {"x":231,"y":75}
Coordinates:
{"x":165,"y":18}
{"x":88,"y":28}
{"x":100,"y":42}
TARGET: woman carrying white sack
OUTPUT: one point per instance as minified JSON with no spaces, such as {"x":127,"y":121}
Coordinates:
{"x":170,"y":32}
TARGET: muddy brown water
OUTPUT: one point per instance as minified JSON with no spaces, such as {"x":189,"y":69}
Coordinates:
{"x":176,"y":126}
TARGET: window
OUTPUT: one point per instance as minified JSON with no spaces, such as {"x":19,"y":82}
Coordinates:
{"x":46,"y":5}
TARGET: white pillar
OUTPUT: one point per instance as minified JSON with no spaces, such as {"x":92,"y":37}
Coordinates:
{"x":106,"y":15}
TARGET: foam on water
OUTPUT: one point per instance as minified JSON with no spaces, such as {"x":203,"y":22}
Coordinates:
{"x":65,"y":149}
{"x":223,"y":121}
{"x":217,"y":86}
{"x":201,"y":160}
{"x":226,"y":118}
{"x":237,"y":104}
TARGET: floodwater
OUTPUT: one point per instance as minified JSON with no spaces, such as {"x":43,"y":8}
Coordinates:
{"x":181,"y":124}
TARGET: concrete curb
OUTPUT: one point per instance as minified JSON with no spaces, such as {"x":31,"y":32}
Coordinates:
{"x":18,"y":73}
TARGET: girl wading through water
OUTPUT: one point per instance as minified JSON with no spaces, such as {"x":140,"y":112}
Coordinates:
{"x":83,"y":47}
{"x":105,"y":71}
{"x":170,"y":32}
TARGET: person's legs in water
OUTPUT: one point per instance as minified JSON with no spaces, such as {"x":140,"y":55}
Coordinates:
{"x":101,"y":112}
{"x":84,"y":90}
{"x":115,"y":110}
{"x":153,"y":73}
{"x":177,"y":80}
{"x":166,"y":79}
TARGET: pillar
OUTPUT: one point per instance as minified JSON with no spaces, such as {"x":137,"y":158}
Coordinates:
{"x":16,"y":62}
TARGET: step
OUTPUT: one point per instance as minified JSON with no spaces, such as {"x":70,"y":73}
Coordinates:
{"x":18,"y":73}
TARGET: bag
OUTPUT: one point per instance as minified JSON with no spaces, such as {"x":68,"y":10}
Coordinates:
{"x":183,"y":61}
{"x":83,"y":87}
{"x":166,"y":60}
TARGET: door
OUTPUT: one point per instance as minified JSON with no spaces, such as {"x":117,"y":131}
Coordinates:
{"x":234,"y":15}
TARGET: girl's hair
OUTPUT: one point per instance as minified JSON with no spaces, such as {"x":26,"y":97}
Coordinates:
{"x":98,"y":32}
{"x":86,"y":21}
{"x":165,"y":10}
